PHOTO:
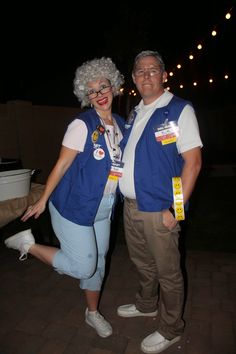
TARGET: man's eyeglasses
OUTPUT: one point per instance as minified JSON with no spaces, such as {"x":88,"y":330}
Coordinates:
{"x":143,"y":72}
{"x":93,"y":94}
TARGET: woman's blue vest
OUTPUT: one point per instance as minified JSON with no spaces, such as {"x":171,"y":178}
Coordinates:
{"x":155,"y":164}
{"x":78,"y":195}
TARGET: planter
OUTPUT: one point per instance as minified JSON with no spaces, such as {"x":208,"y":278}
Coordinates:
{"x":15,"y":183}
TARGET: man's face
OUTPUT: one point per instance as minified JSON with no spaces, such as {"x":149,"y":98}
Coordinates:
{"x":149,"y":78}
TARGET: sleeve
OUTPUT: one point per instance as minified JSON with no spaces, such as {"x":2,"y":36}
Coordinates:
{"x":189,"y":136}
{"x":76,"y":135}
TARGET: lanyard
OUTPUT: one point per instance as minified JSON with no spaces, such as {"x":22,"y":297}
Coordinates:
{"x":114,"y":145}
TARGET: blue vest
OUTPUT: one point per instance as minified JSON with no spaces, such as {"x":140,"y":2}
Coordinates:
{"x":155,"y":164}
{"x":78,"y":195}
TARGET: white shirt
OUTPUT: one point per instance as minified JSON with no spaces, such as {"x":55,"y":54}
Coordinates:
{"x":76,"y":135}
{"x":188,"y":137}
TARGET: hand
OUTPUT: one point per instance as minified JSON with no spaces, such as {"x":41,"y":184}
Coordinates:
{"x":36,"y":209}
{"x":168,"y":219}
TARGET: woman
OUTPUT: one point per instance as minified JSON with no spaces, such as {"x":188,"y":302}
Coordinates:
{"x":81,"y":188}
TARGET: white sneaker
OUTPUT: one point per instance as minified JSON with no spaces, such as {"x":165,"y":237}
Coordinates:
{"x":21,"y":242}
{"x":130,"y":310}
{"x":98,"y":322}
{"x":156,"y":343}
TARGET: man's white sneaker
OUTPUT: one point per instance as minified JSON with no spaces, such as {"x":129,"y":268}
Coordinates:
{"x":21,"y":241}
{"x":156,"y":343}
{"x":130,"y":310}
{"x":98,"y":322}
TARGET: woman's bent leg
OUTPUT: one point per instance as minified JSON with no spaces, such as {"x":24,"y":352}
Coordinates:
{"x":77,"y":256}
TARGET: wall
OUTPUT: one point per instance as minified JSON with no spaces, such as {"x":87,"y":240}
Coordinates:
{"x":33,"y":134}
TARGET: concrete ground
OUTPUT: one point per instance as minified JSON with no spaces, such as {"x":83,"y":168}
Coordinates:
{"x":42,"y":312}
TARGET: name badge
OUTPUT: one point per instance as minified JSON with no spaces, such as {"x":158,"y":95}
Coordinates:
{"x":167,"y":132}
{"x":116,"y":171}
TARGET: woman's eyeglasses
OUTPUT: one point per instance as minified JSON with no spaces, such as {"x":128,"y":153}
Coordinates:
{"x":93,"y":94}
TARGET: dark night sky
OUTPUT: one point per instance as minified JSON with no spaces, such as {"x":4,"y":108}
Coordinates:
{"x":41,"y":49}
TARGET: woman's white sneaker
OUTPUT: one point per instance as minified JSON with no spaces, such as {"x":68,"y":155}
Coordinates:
{"x":21,"y":241}
{"x":98,"y":322}
{"x":130,"y":310}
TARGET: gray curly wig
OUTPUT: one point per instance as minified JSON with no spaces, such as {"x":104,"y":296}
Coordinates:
{"x":93,"y":70}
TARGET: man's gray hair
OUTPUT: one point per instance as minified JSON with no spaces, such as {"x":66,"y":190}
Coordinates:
{"x":149,"y":53}
{"x":93,"y":70}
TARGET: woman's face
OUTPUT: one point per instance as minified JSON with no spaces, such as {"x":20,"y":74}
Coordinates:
{"x":100,"y":94}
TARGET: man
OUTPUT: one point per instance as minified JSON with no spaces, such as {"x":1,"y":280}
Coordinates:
{"x":162,"y":160}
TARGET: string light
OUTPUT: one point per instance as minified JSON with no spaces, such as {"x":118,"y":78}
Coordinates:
{"x":199,"y":47}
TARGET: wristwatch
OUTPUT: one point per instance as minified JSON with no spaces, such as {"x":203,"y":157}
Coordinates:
{"x":171,"y":209}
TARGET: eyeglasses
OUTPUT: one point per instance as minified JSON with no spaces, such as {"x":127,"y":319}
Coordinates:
{"x":150,"y":71}
{"x":93,"y":94}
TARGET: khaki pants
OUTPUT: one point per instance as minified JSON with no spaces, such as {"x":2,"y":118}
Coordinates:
{"x":154,"y":251}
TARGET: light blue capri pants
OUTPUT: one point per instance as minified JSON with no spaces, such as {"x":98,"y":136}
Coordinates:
{"x":83,"y":249}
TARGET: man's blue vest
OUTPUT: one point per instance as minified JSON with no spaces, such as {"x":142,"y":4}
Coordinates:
{"x":78,"y":195}
{"x":155,"y":164}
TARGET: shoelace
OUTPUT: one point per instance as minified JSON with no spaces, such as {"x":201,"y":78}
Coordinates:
{"x":99,"y":320}
{"x":23,"y":256}
{"x":98,"y":317}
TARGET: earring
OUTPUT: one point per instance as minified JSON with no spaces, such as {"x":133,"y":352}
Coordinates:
{"x":91,"y":105}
